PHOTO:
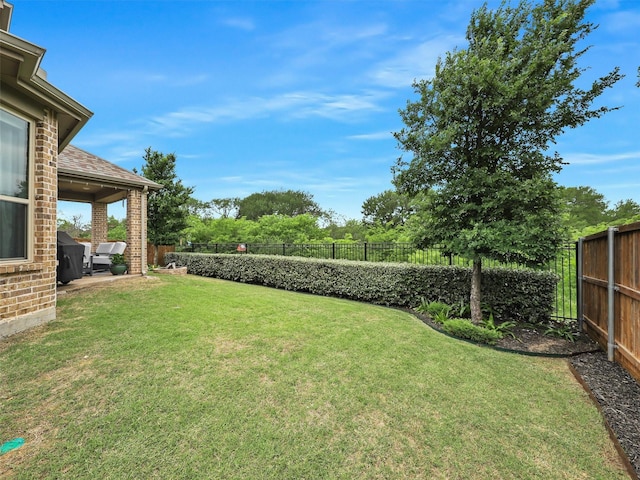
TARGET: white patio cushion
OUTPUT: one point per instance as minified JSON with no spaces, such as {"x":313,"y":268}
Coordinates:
{"x":87,"y":252}
{"x":105,"y":248}
{"x":101,"y":260}
{"x":118,"y":247}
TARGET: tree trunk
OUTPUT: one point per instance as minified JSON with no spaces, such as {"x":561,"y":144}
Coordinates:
{"x":476,"y":295}
{"x":155,"y":255}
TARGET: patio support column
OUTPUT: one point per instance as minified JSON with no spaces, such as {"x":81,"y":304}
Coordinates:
{"x":136,"y":254}
{"x":99,"y":227}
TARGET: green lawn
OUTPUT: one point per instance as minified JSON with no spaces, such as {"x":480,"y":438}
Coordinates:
{"x":195,"y":378}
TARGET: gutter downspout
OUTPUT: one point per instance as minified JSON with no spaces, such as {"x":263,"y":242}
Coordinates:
{"x":611,"y":293}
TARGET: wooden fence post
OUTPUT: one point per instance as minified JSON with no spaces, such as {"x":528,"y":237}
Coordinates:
{"x":611,"y":292}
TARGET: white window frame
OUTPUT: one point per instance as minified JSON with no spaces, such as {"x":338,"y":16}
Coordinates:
{"x":29,"y":201}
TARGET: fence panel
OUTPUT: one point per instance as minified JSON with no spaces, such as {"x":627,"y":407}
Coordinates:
{"x":626,"y":293}
{"x":594,"y":289}
{"x":162,"y":249}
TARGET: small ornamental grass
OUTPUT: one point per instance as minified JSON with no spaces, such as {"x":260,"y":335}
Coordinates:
{"x":189,"y":377}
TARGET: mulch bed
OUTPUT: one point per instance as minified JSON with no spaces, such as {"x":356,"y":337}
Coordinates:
{"x":613,"y":389}
{"x":617,"y":394}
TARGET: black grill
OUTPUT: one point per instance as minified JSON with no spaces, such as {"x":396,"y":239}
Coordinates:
{"x":70,"y":255}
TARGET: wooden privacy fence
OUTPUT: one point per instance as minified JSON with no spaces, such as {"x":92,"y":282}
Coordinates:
{"x":162,"y":249}
{"x":609,"y":289}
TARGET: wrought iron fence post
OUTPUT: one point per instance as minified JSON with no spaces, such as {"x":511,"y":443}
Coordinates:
{"x":365,"y":251}
{"x":579,"y":274}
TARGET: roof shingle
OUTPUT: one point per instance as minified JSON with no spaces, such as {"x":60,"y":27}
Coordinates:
{"x":75,"y":162}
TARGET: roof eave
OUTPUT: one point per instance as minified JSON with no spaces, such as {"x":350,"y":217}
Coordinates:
{"x":106,"y":179}
{"x":72,"y":115}
{"x":6,"y":9}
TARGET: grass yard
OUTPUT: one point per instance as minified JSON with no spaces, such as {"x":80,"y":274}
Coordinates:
{"x":189,"y":378}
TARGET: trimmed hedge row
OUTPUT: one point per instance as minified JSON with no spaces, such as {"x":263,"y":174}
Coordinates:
{"x":519,"y":295}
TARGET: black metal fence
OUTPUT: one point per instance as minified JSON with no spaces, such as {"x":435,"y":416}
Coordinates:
{"x":564,"y":265}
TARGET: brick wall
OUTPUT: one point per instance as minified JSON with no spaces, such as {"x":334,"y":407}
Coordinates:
{"x":99,"y":225}
{"x":136,"y":254}
{"x":28,"y":289}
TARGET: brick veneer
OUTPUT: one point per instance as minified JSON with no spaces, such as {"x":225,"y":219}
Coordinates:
{"x":99,"y":224}
{"x":28,"y":289}
{"x":136,"y":252}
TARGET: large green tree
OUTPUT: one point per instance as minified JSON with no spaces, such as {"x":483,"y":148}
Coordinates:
{"x":388,"y":208}
{"x":278,"y":202}
{"x":167,"y":210}
{"x":583,"y":206}
{"x":481,"y":130}
{"x":623,"y":210}
{"x":225,"y":207}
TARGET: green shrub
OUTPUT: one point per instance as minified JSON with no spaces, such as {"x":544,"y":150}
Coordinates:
{"x":504,"y":328}
{"x":463,"y":328}
{"x":566,"y":330}
{"x":518,"y":295}
{"x":438,"y":311}
{"x":461,"y":310}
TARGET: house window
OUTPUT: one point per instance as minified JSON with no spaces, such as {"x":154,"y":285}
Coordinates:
{"x":14,"y":187}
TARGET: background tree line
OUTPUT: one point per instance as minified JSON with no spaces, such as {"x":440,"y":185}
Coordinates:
{"x":386,"y":217}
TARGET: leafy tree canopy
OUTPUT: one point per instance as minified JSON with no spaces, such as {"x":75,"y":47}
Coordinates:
{"x":388,"y":208}
{"x":75,"y":227}
{"x":278,"y":202}
{"x":583,"y":206}
{"x":225,"y":207}
{"x":586,"y":211}
{"x":167,"y":208}
{"x":117,"y":229}
{"x":623,"y":210}
{"x":480,"y":131}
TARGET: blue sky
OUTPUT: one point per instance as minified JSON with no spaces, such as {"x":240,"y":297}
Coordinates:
{"x":304,"y":95}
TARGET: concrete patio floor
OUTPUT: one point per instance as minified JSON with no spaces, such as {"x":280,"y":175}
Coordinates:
{"x":98,"y":277}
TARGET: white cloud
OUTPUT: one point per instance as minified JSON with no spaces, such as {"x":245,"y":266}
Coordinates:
{"x":235,"y":179}
{"x":323,"y":51}
{"x":241,"y":23}
{"x":148,"y":79}
{"x":622,"y":21}
{"x":382,"y":135}
{"x":417,"y":62}
{"x":325,"y":35}
{"x":596,"y":159}
{"x":99,"y":139}
{"x":622,"y":185}
{"x":340,"y":107}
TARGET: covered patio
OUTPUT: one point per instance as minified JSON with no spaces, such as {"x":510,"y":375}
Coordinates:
{"x":84,"y":177}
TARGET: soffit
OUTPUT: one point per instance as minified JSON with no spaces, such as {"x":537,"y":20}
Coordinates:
{"x":85,"y":177}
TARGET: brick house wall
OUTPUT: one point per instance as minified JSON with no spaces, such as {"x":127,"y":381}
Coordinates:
{"x":28,"y":290}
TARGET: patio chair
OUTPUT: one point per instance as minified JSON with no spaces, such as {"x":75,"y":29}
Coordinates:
{"x":118,"y":247}
{"x":102,"y":257}
{"x":87,"y":259}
